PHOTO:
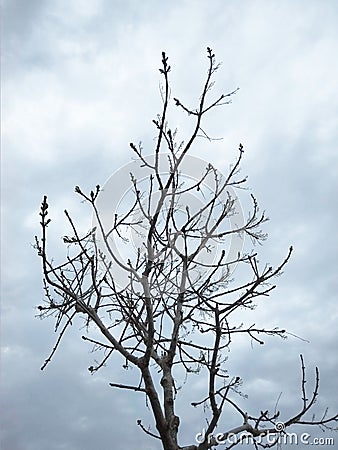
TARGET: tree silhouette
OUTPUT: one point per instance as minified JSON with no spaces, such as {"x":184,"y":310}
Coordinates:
{"x":164,"y":301}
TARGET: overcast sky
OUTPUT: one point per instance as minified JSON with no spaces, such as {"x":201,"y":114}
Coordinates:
{"x":80,"y":81}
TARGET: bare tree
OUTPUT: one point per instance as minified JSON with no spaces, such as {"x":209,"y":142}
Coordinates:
{"x":173,"y":309}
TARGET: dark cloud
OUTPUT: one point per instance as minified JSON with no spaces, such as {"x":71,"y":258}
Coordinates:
{"x":20,"y":17}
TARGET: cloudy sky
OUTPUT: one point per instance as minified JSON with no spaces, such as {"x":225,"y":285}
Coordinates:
{"x":80,"y":81}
